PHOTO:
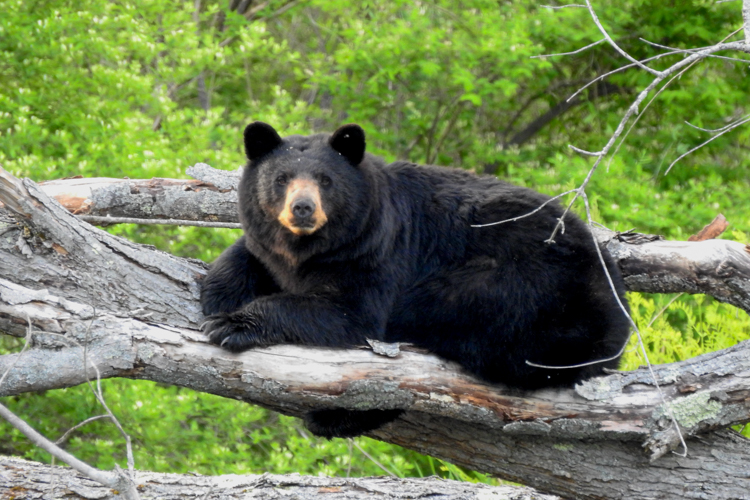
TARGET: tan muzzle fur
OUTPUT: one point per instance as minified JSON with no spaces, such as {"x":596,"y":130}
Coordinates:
{"x":299,"y":189}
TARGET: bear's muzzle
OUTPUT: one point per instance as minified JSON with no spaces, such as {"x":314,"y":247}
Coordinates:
{"x":303,"y":212}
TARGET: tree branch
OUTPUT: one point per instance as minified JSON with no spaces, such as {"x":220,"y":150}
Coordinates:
{"x":211,"y":196}
{"x":602,"y":89}
{"x":720,"y":268}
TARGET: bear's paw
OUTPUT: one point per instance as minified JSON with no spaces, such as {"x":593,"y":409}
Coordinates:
{"x":233,"y":332}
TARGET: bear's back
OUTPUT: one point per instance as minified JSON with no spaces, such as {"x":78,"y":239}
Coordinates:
{"x":451,"y":205}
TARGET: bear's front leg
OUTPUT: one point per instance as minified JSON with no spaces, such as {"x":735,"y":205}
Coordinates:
{"x":293,"y":319}
{"x":233,"y":280}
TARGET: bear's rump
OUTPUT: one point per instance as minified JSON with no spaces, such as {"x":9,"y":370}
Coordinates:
{"x":492,"y":315}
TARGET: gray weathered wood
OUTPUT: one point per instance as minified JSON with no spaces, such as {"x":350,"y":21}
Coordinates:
{"x":210,"y":196}
{"x":720,"y":268}
{"x":582,"y":443}
{"x":23,"y":479}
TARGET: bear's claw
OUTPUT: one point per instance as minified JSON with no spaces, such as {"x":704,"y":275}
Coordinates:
{"x":230,"y":333}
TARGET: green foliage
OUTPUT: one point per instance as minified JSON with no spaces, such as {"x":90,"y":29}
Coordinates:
{"x":148,"y":88}
{"x":679,"y":328}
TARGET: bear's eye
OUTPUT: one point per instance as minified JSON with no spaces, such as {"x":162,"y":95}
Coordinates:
{"x":325,"y":181}
{"x":282,"y":180}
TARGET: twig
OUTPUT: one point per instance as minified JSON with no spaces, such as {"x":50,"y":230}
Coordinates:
{"x":372,"y":459}
{"x":562,"y":6}
{"x":637,"y":118}
{"x":570,"y":53}
{"x":734,"y":126}
{"x":95,"y":219}
{"x":663,"y":309}
{"x":100,"y":397}
{"x":634,"y":107}
{"x":351,"y":456}
{"x":618,"y":70}
{"x":637,"y":331}
{"x":713,"y":131}
{"x":528,"y":214}
{"x":70,"y":431}
{"x":614,"y":44}
{"x":628,"y":66}
{"x":693,"y":51}
{"x":97,"y":393}
{"x":617,"y":298}
{"x":584,"y":152}
{"x":110,"y":480}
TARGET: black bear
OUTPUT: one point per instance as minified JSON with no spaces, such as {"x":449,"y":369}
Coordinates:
{"x":339,"y":247}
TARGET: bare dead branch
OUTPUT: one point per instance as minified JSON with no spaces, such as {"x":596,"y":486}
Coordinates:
{"x":634,"y":107}
{"x":582,"y":49}
{"x":70,"y":431}
{"x":729,"y":128}
{"x":658,"y":449}
{"x":609,"y":39}
{"x":107,"y":221}
{"x":656,"y":95}
{"x":210,"y":197}
{"x":562,"y":6}
{"x":112,"y":480}
{"x":693,"y":51}
{"x":528,"y":214}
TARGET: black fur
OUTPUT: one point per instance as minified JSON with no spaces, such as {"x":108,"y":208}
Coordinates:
{"x":345,"y":423}
{"x":260,"y":139}
{"x":349,"y":140}
{"x":398,"y":260}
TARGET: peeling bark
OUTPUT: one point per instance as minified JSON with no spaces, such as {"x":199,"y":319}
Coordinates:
{"x":210,"y":196}
{"x":135,"y":311}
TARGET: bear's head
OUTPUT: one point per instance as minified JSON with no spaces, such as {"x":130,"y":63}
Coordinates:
{"x":303,"y":188}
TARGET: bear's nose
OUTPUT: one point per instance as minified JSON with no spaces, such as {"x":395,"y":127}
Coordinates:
{"x":303,"y":208}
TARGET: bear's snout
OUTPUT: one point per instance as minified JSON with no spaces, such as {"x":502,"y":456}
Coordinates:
{"x":303,"y":208}
{"x":303,"y":212}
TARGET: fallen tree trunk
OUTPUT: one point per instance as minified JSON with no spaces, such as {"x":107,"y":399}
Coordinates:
{"x":24,"y":479}
{"x":134,"y":310}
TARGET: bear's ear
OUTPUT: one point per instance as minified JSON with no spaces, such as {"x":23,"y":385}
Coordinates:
{"x":349,"y":140}
{"x":260,"y":139}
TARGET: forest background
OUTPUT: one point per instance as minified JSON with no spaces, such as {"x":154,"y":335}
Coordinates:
{"x":147,"y":88}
